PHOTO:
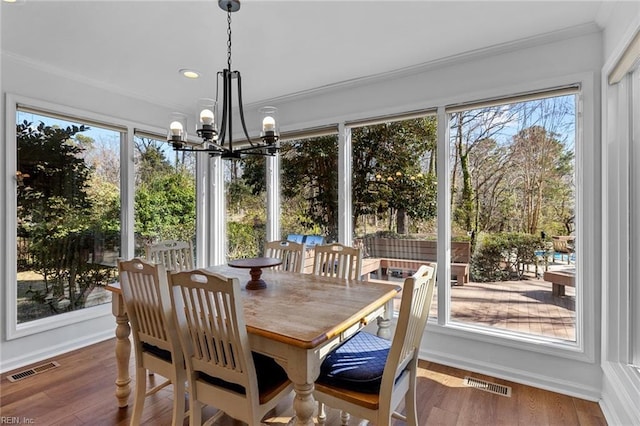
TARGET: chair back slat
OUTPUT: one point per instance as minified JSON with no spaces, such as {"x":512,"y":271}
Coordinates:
{"x":212,"y":328}
{"x":417,"y":293}
{"x":142,"y":287}
{"x":292,"y":255}
{"x":337,"y":260}
{"x":174,"y":255}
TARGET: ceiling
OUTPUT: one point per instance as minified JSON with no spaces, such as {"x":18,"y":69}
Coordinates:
{"x":280,"y":47}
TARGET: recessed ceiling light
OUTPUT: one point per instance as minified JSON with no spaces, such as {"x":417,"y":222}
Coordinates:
{"x":189,"y":73}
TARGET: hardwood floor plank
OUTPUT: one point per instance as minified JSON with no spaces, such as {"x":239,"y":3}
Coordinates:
{"x":81,"y":392}
{"x":441,"y":417}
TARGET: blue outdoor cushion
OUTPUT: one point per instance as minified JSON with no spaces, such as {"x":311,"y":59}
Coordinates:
{"x":313,"y":240}
{"x":357,"y":364}
{"x":296,"y":238}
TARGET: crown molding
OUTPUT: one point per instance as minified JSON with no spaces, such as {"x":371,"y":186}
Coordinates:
{"x":102,"y":85}
{"x":498,"y":49}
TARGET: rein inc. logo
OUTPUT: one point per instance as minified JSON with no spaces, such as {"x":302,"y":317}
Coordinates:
{"x":15,"y":420}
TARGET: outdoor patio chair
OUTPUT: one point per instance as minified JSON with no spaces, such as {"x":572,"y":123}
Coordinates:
{"x":174,"y":255}
{"x":292,"y":255}
{"x":381,"y":374}
{"x":337,"y":260}
{"x":563,"y":245}
{"x":222,"y":370}
{"x":157,"y":346}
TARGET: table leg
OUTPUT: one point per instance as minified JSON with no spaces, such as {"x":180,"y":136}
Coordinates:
{"x":123,"y":350}
{"x":304,"y":404}
{"x":384,"y":321}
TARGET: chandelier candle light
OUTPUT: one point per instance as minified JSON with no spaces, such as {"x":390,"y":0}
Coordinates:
{"x":213,"y":140}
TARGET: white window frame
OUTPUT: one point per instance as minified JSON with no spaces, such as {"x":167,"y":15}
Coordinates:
{"x":444,"y":117}
{"x":634,"y":218}
{"x":587,"y":194}
{"x":13,"y":329}
{"x":587,"y":311}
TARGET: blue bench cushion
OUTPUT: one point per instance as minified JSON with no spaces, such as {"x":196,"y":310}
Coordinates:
{"x":357,"y":364}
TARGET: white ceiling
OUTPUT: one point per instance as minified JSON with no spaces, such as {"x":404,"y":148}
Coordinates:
{"x":280,"y":47}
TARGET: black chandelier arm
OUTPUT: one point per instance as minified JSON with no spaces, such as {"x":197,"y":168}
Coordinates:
{"x":214,"y":150}
{"x":241,"y":108}
{"x":225,"y":90}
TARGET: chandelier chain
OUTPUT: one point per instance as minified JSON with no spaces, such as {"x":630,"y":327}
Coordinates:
{"x":229,"y":35}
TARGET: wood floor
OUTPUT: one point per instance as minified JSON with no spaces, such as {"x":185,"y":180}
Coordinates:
{"x":81,"y":392}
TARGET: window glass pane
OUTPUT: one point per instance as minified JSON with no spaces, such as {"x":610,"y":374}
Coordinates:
{"x":246,"y":212}
{"x":395,"y":194}
{"x":512,"y":171}
{"x":165,"y":205}
{"x":309,"y":180}
{"x":68,"y":214}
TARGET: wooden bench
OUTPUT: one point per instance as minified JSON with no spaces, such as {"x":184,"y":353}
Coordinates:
{"x":560,"y":279}
{"x":392,"y":249}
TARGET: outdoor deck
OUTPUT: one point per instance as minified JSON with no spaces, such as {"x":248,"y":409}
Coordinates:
{"x":526,"y":306}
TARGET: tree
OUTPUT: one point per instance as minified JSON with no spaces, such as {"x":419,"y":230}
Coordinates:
{"x":389,"y":170}
{"x":56,"y":213}
{"x":543,"y":168}
{"x":165,"y":197}
{"x":469,"y":129}
{"x":310,"y":171}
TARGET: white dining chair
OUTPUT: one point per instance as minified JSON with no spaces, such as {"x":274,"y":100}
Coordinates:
{"x":157,"y":346}
{"x":222,"y":370}
{"x":337,"y":260}
{"x":174,"y":255}
{"x":292,"y":255}
{"x":368,"y":376}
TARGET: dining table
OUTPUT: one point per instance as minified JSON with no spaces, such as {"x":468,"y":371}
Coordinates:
{"x":297,"y":319}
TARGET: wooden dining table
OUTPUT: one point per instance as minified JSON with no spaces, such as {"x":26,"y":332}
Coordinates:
{"x":297,"y":320}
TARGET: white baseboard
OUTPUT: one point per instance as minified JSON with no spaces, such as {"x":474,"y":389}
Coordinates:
{"x":620,"y":395}
{"x":52,"y":351}
{"x":578,"y":390}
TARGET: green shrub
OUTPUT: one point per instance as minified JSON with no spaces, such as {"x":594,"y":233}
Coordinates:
{"x":503,"y":256}
{"x":244,"y":240}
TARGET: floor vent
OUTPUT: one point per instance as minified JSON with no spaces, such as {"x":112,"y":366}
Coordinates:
{"x":487,"y":386}
{"x":33,"y":371}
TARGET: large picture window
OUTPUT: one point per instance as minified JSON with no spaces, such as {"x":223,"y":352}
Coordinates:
{"x":68,"y":214}
{"x":513,"y":196}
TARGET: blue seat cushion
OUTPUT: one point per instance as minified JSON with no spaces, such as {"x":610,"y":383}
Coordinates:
{"x":357,"y":364}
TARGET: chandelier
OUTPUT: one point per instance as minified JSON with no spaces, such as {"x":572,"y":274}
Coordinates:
{"x":219,"y":141}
